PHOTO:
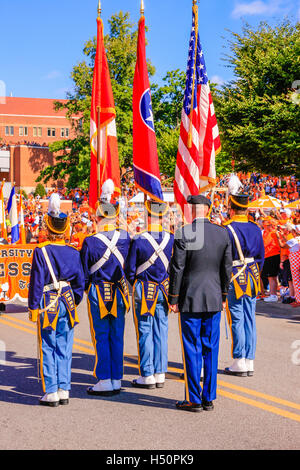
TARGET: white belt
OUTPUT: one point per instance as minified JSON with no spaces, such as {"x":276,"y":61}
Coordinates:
{"x":112,"y":249}
{"x":243,"y":262}
{"x":158,"y":252}
{"x":61,"y":285}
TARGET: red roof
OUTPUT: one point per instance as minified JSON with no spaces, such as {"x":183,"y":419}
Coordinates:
{"x":31,"y":107}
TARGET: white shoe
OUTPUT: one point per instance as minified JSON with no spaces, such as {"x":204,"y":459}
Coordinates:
{"x":238,"y":368}
{"x":63,"y":396}
{"x":271,"y":298}
{"x":144,"y":382}
{"x":50,"y":399}
{"x":116,"y":385}
{"x":103,"y":387}
{"x":160,"y":380}
{"x":250,"y":367}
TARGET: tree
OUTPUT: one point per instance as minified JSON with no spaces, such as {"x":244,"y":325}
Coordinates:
{"x":40,"y":190}
{"x":259,"y":120}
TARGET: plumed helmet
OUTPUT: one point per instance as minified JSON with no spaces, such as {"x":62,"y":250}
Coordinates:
{"x":56,"y":221}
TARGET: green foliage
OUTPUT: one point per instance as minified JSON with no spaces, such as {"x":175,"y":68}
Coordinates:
{"x":40,"y":190}
{"x":259,"y":122}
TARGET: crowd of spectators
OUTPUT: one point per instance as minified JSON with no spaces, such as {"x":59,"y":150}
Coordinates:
{"x":280,"y":226}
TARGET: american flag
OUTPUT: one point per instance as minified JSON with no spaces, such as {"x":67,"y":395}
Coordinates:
{"x":199,"y":140}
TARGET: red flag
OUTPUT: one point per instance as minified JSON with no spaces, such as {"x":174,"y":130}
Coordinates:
{"x":145,"y":158}
{"x":102,"y":99}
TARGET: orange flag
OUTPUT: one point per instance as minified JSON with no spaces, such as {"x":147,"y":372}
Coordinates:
{"x":105,"y":123}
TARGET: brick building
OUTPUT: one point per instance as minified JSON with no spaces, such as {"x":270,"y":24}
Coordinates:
{"x":27,"y":127}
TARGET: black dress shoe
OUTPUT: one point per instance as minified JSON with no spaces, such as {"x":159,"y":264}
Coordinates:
{"x":188,"y":406}
{"x":53,"y":404}
{"x":105,"y":393}
{"x":64,"y":401}
{"x":207,"y":405}
{"x":237,"y":374}
{"x":160,"y":385}
{"x":135,"y":384}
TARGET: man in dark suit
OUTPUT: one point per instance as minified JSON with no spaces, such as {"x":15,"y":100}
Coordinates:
{"x":200,"y":273}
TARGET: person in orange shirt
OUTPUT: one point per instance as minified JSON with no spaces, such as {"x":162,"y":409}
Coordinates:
{"x":285,"y":266}
{"x":78,"y":237}
{"x":42,"y":237}
{"x":272,"y":259}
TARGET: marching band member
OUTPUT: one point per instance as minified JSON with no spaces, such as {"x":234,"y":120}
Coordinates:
{"x":103,"y":256}
{"x":147,"y":270}
{"x":56,"y":288}
{"x":200,"y":273}
{"x":248,"y":259}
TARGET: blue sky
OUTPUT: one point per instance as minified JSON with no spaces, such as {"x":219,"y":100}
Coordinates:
{"x":41,"y":40}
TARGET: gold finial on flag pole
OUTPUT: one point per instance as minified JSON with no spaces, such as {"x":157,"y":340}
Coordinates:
{"x":142,"y":7}
{"x":99,"y":9}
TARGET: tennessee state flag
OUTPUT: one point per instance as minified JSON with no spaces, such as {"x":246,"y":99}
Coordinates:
{"x":102,"y":98}
{"x":145,"y":158}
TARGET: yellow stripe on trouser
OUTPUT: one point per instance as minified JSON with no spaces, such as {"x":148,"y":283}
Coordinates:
{"x":41,"y":351}
{"x":230,"y":325}
{"x":136,"y":328}
{"x":93,"y":334}
{"x":183,"y":357}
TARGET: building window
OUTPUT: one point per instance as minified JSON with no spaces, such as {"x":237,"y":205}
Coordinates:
{"x":64,"y":132}
{"x":37,"y":132}
{"x":23,"y":131}
{"x":51,"y":132}
{"x":9,"y":130}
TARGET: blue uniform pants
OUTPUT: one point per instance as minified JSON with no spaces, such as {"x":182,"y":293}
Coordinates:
{"x":200,"y":336}
{"x":108,"y":338}
{"x":152,"y":335}
{"x":241,"y":315}
{"x":56,"y":352}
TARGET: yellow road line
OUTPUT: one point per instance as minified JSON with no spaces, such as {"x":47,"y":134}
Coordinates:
{"x":233,"y":396}
{"x":17,"y":320}
{"x":32,"y":331}
{"x":262,"y":406}
{"x":248,"y":391}
{"x":18,"y":327}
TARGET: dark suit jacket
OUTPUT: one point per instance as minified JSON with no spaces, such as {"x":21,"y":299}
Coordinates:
{"x":200,"y":268}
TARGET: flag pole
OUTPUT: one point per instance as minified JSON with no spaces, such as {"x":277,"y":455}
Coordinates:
{"x":190,"y":135}
{"x":98,"y":130}
{"x":142,"y":11}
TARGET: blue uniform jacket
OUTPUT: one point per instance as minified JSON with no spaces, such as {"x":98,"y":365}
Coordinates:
{"x":250,"y":238}
{"x":155,"y":277}
{"x":111,"y":275}
{"x":67,"y":267}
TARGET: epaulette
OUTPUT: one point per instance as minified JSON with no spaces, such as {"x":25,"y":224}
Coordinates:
{"x":227,"y":223}
{"x":255,"y":223}
{"x":41,"y":245}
